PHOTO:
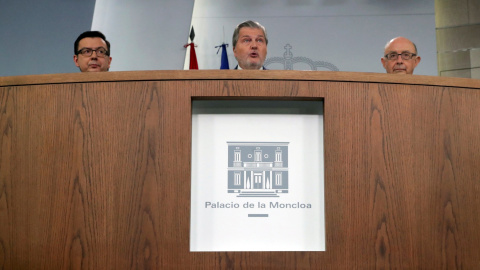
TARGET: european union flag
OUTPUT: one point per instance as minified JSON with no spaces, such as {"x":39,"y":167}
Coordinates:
{"x":224,"y":64}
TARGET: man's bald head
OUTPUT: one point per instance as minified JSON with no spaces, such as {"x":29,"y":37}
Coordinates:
{"x":400,"y":56}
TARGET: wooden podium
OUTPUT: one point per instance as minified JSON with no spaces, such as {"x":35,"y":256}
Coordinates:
{"x":95,"y":169}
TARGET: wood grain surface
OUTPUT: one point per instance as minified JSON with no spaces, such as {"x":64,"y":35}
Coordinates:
{"x":96,"y":174}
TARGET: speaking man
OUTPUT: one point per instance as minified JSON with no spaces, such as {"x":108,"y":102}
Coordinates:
{"x":250,"y":45}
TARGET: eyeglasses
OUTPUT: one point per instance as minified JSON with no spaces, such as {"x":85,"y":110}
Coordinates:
{"x":405,"y":55}
{"x":87,"y":52}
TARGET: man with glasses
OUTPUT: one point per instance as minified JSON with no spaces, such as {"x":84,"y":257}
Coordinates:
{"x":92,"y":52}
{"x":250,"y":45}
{"x":400,"y":56}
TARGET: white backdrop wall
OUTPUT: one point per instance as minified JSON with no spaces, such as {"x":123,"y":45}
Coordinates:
{"x":145,"y":35}
{"x":349,"y":34}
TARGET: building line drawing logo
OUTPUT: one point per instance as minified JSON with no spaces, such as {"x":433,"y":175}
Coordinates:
{"x":258,"y":169}
{"x":288,"y":61}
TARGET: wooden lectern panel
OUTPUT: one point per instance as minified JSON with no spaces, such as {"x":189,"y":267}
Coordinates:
{"x":95,"y":170}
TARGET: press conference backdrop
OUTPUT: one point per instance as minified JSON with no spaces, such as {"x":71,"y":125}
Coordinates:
{"x":148,"y":35}
{"x":37,"y":38}
{"x":327,"y":34}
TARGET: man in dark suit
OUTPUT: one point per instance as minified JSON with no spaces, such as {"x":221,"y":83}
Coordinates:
{"x":250,"y":45}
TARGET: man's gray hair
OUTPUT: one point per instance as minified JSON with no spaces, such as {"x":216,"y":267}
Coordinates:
{"x":250,"y":24}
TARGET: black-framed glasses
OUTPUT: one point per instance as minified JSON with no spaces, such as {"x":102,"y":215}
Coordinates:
{"x":404,"y":55}
{"x":87,"y":52}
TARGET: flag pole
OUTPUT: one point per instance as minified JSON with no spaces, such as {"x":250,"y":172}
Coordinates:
{"x":193,"y":56}
{"x":224,"y":60}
